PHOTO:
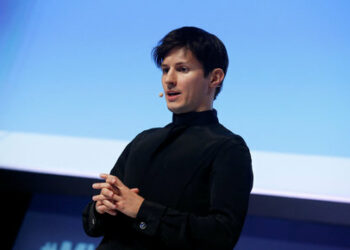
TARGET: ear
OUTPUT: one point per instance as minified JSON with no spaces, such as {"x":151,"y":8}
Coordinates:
{"x":216,"y":77}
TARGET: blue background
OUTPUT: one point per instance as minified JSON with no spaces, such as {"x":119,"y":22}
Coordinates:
{"x":84,"y":68}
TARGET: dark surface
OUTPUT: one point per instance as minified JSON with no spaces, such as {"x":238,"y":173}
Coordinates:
{"x":300,"y":209}
{"x":13,"y":208}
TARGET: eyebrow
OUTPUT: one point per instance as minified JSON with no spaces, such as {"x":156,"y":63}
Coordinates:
{"x":176,"y":64}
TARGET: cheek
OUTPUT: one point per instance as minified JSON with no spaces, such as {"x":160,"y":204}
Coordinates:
{"x":196,"y":87}
{"x":163,"y":84}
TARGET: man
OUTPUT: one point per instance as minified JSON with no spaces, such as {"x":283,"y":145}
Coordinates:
{"x":187,"y":185}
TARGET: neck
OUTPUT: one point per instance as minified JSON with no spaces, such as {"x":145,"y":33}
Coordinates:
{"x":196,"y":118}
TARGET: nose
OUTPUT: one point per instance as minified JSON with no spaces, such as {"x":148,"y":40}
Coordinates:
{"x":170,"y":78}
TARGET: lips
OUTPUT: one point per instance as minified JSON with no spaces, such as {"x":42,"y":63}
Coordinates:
{"x":172,"y":95}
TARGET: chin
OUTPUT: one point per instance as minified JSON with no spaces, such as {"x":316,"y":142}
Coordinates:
{"x":177,"y":110}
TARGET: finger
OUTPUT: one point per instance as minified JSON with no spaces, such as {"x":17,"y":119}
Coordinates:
{"x":104,"y":176}
{"x":110,"y":205}
{"x":111,"y":179}
{"x":115,"y":181}
{"x":116,"y":197}
{"x":135,"y":190}
{"x":107,"y":193}
{"x":105,"y":205}
{"x":103,"y":209}
{"x":100,"y":185}
{"x":111,"y":212}
{"x":100,"y":207}
{"x":98,"y":197}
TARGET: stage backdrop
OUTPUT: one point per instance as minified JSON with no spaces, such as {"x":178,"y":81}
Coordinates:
{"x":77,"y":83}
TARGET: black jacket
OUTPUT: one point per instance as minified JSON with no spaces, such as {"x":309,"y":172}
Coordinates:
{"x":195,"y":176}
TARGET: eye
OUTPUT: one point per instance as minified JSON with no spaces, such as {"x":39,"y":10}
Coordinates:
{"x":183,"y":69}
{"x":165,"y":70}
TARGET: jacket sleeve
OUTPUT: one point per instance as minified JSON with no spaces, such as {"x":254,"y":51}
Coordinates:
{"x":94,"y":223}
{"x":230,"y":187}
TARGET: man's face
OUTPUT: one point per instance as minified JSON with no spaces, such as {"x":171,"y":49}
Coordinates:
{"x":185,"y":87}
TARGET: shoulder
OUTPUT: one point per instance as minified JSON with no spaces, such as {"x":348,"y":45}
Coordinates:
{"x":148,"y":132}
{"x":233,"y":154}
{"x":226,"y":138}
{"x":150,"y":135}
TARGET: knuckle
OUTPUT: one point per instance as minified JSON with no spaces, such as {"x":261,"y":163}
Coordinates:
{"x":106,"y":203}
{"x":105,"y":192}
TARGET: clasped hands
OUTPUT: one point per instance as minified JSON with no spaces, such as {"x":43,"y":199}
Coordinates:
{"x":115,"y":196}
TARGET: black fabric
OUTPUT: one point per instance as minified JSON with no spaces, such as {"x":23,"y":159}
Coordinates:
{"x":195,"y":176}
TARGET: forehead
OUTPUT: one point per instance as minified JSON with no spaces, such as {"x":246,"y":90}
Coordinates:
{"x":180,"y":55}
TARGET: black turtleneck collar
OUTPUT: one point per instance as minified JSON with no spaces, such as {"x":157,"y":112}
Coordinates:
{"x":196,"y":118}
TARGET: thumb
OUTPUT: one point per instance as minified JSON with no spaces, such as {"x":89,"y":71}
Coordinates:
{"x":135,"y":190}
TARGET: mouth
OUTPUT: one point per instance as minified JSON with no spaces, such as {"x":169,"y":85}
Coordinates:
{"x":172,"y":93}
{"x":172,"y":96}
